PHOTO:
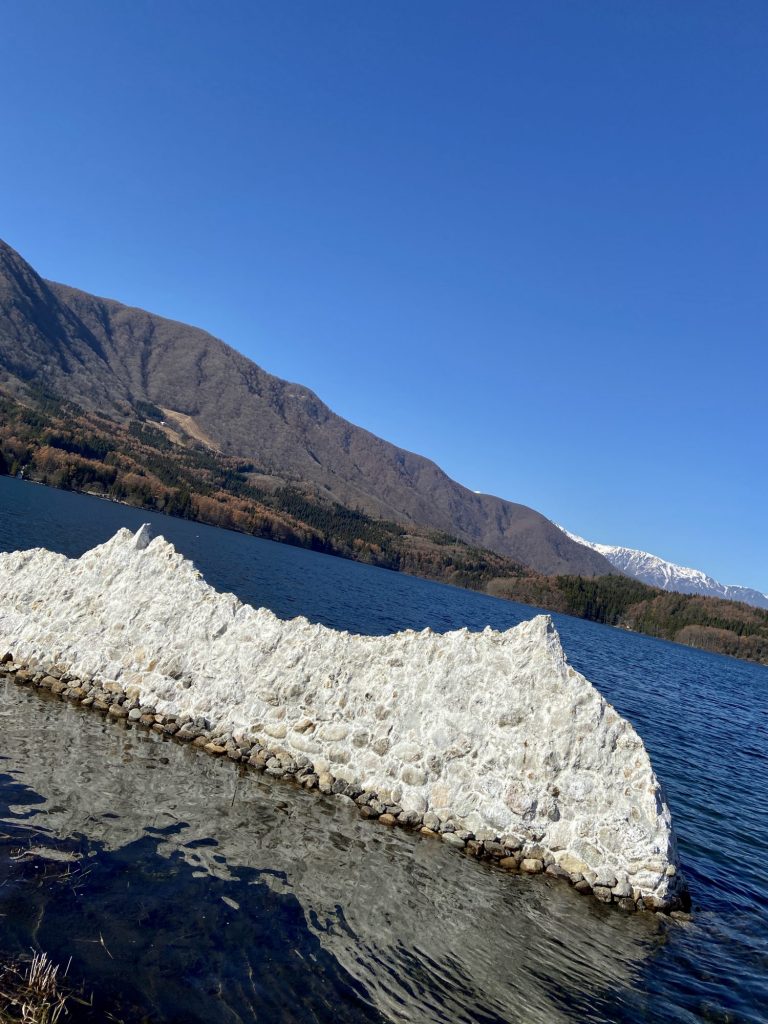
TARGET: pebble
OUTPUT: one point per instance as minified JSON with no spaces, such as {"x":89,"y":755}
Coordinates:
{"x":532,"y":865}
{"x":509,"y":863}
{"x":409,"y":818}
{"x":494,"y":849}
{"x":602,"y":893}
{"x":453,"y":840}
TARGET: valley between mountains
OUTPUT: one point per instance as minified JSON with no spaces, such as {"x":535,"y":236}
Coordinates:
{"x":100,"y":397}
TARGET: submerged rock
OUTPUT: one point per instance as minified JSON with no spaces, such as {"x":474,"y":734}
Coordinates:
{"x":491,"y":733}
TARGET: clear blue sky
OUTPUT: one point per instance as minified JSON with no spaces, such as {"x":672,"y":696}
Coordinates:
{"x":528,"y":240}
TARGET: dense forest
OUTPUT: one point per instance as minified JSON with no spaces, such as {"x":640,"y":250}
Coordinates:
{"x":150,"y":464}
{"x":725,"y":627}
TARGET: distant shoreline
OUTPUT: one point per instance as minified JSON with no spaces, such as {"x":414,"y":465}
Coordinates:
{"x":535,"y":608}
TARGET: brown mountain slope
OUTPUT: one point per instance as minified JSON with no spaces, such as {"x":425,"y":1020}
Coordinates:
{"x":108,"y":356}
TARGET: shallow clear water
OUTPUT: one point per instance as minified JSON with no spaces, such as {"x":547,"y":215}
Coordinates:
{"x":331,"y":918}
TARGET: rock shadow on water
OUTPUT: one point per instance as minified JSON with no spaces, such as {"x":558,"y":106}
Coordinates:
{"x":202,"y":894}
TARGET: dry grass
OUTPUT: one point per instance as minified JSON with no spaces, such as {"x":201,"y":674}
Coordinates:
{"x":31,"y":992}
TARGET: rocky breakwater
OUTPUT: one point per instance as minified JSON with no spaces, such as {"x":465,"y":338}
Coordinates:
{"x":489,"y":740}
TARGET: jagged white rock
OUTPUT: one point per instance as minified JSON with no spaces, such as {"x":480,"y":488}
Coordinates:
{"x":494,"y":730}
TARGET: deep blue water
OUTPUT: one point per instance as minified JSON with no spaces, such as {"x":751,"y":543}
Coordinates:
{"x":335,"y":919}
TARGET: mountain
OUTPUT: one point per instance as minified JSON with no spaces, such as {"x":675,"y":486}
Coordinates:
{"x":118,"y":360}
{"x":658,"y":572}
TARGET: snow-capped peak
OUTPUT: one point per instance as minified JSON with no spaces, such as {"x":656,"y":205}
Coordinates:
{"x":658,"y":572}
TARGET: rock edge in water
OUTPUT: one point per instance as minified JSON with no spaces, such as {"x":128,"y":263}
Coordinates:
{"x":490,"y":740}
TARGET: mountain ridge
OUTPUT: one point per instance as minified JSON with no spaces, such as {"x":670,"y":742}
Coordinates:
{"x":108,"y":356}
{"x":667,"y":575}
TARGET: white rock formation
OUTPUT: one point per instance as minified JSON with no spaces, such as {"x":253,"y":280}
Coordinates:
{"x":493,"y":730}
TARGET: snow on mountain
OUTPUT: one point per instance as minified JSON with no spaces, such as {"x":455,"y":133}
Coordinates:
{"x":658,"y":572}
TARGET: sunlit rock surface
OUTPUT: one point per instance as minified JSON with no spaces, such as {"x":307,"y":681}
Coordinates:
{"x":492,"y":730}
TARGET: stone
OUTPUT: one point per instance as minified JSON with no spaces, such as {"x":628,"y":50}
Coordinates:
{"x":387,"y":819}
{"x":555,"y":871}
{"x":534,"y":852}
{"x":486,"y":835}
{"x":509,"y":863}
{"x":413,"y":776}
{"x":583,"y":888}
{"x":116,"y":711}
{"x":409,"y":819}
{"x":602,"y":893}
{"x":325,"y":782}
{"x":512,"y":842}
{"x":495,"y":850}
{"x":532,"y":865}
{"x":627,"y":905}
{"x":605,"y":879}
{"x":453,"y":840}
{"x":661,"y":904}
{"x":573,"y":865}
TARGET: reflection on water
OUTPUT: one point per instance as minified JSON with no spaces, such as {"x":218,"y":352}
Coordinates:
{"x":296,"y":910}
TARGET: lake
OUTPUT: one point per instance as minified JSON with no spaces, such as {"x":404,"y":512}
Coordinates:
{"x":184,"y":890}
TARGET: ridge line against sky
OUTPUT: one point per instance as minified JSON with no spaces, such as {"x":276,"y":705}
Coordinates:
{"x":526,"y":241}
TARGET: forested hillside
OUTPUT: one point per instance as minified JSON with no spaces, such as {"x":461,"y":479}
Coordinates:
{"x":114,"y":360}
{"x":711,"y":623}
